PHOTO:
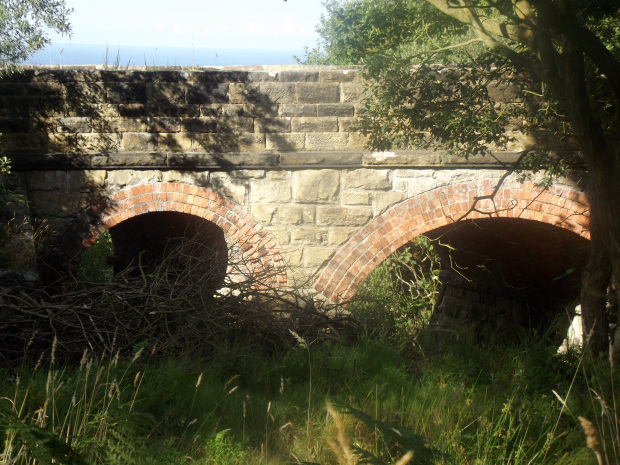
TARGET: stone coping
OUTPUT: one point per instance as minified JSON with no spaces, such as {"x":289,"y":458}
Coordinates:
{"x":176,"y":73}
{"x":197,"y":161}
{"x":299,"y":67}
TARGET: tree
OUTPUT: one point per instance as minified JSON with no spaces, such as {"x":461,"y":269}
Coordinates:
{"x":23,"y":28}
{"x":24,"y":25}
{"x":564,"y":55}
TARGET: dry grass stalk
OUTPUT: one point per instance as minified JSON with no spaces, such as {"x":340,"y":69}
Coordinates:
{"x":592,"y":438}
{"x":340,"y":447}
{"x":405,"y":458}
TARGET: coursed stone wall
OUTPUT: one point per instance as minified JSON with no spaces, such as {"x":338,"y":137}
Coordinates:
{"x":93,"y":118}
{"x":88,"y":110}
{"x":275,"y":146}
{"x":327,"y":227}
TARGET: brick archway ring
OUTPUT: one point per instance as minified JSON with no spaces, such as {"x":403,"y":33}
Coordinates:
{"x":257,"y":244}
{"x":561,"y":206}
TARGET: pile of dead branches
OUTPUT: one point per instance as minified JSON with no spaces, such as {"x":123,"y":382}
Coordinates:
{"x":178,"y":305}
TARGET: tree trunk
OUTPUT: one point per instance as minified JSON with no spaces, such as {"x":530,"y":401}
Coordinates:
{"x":595,"y":279}
{"x":601,"y":157}
{"x":615,"y":262}
{"x":604,"y":196}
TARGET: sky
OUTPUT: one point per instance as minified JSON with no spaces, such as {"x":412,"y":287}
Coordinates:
{"x":238,"y":24}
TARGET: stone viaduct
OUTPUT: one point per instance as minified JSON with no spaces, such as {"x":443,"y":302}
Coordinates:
{"x":270,"y":156}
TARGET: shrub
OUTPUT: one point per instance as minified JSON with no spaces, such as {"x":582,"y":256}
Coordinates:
{"x":171,"y":306}
{"x":94,"y":267}
{"x":398,"y":297}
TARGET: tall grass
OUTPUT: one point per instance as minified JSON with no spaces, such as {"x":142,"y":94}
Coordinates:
{"x":474,"y":406}
{"x":369,"y":397}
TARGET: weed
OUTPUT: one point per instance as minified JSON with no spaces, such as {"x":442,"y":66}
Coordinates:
{"x":474,"y":405}
{"x":243,"y":400}
{"x":222,"y":450}
{"x":397,"y":299}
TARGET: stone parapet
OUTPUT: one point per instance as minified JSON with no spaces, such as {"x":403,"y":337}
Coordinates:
{"x":90,"y":110}
{"x":83,"y":112}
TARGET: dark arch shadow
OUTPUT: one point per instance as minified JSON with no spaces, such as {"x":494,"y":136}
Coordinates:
{"x":523,"y":255}
{"x":144,"y":240}
{"x":507,"y":272}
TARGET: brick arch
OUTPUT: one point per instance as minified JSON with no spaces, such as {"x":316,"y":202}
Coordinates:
{"x":259,"y":247}
{"x":561,"y":206}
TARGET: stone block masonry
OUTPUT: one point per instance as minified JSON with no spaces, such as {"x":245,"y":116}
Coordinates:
{"x":312,"y":214}
{"x":269,"y":154}
{"x":88,"y":110}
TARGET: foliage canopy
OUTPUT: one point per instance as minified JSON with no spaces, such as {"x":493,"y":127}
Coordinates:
{"x":392,"y":37}
{"x":24,"y":25}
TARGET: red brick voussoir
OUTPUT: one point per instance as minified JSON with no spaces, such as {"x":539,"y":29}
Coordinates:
{"x":245,"y":230}
{"x":561,"y":206}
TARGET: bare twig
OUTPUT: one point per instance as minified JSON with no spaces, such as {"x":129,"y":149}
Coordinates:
{"x":511,"y":169}
{"x":181,"y":304}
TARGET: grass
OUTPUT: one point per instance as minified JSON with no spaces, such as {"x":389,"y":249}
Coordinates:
{"x":385,"y":395}
{"x":94,"y":267}
{"x":475,"y":407}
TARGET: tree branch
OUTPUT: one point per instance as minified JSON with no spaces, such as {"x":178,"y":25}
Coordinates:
{"x":512,"y":169}
{"x":527,"y":31}
{"x":582,"y":39}
{"x":488,"y":29}
{"x":491,"y":26}
{"x":449,"y":47}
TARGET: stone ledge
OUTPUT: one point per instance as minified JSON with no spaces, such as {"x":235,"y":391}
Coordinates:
{"x":294,"y":160}
{"x":147,"y":161}
{"x":435,"y":159}
{"x":216,"y":161}
{"x":257,"y":160}
{"x":187,"y":74}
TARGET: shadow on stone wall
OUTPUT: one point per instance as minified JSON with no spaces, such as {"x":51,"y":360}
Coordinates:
{"x":71,"y":134}
{"x":18,"y":259}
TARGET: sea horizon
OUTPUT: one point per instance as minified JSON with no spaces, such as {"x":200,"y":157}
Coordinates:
{"x":67,"y":54}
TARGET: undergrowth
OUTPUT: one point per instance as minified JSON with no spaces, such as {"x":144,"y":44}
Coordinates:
{"x":476,"y":405}
{"x":398,"y":297}
{"x":384,"y":395}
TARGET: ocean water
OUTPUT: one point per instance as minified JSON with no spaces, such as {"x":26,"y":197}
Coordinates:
{"x":123,"y":56}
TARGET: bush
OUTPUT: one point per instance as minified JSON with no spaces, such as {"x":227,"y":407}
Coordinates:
{"x":94,"y":266}
{"x":398,"y":297}
{"x":172,"y":306}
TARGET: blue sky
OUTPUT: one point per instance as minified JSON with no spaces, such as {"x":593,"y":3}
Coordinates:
{"x":247,"y":24}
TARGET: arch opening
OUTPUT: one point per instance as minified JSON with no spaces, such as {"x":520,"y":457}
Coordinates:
{"x":253,"y":250}
{"x":144,"y":239}
{"x":143,"y":242}
{"x":525,"y":256}
{"x":507,"y":272}
{"x":494,"y":276}
{"x":559,"y":213}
